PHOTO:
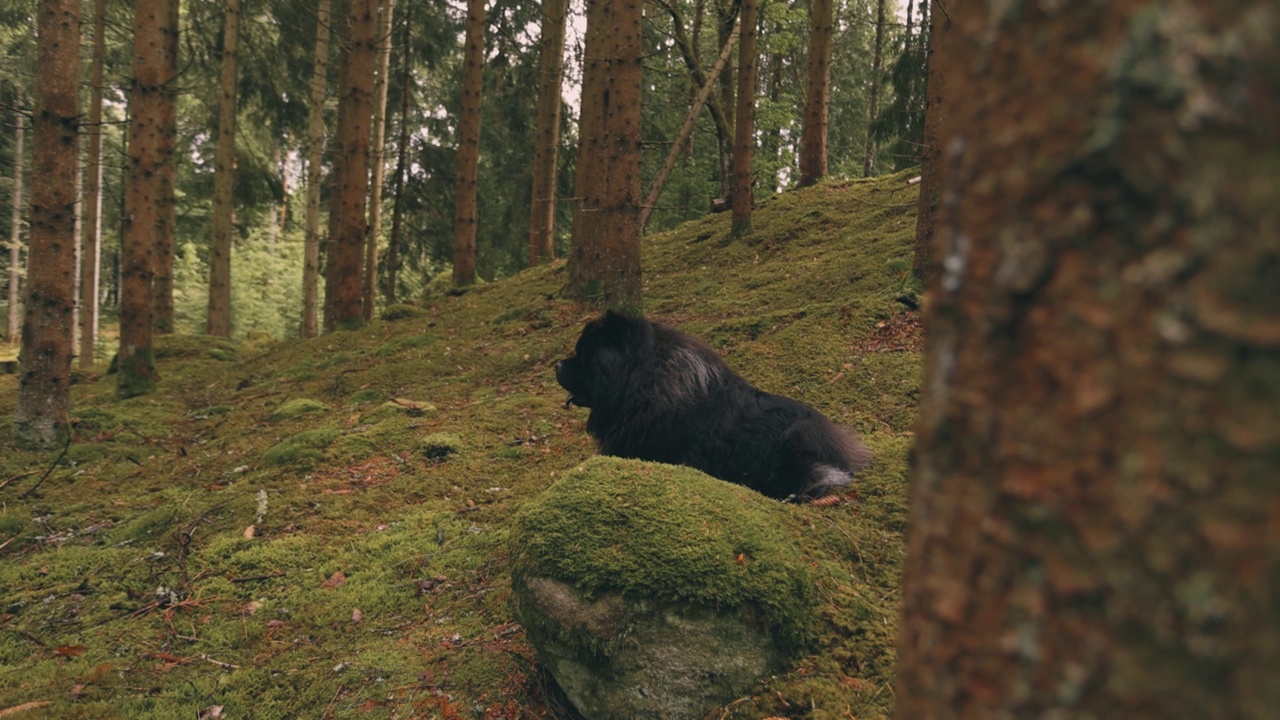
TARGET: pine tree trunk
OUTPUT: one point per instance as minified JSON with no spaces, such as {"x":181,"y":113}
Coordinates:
{"x":224,"y":174}
{"x":162,"y":282}
{"x":15,"y":232}
{"x":1095,"y":507}
{"x":604,"y":260}
{"x":347,"y":206}
{"x":932,"y":159}
{"x":464,"y":219}
{"x":377,"y":151}
{"x":726,"y":13}
{"x":315,"y":167}
{"x":877,"y":70}
{"x":42,"y":414}
{"x":91,"y":236}
{"x":813,"y":139}
{"x":546,"y":153}
{"x":402,"y":165}
{"x":744,"y":124}
{"x":136,"y":362}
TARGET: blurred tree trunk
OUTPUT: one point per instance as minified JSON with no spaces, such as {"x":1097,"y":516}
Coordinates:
{"x":42,"y":414}
{"x":224,"y":177}
{"x":402,"y":163}
{"x":464,"y":219}
{"x":546,"y":154}
{"x":931,"y":158}
{"x":91,"y":254}
{"x":15,"y":232}
{"x":135,"y":361}
{"x":877,"y":70}
{"x":315,"y":168}
{"x":744,"y":124}
{"x":347,"y":204}
{"x":813,"y":139}
{"x":162,"y":282}
{"x":1094,"y":511}
{"x":377,"y":155}
{"x":604,"y":261}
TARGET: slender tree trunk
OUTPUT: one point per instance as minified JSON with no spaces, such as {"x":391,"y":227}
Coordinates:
{"x":15,"y":232}
{"x":136,"y":362}
{"x":347,"y":207}
{"x":162,"y":283}
{"x":679,"y":147}
{"x":604,"y":261}
{"x":315,"y":167}
{"x":464,"y":221}
{"x":402,"y":164}
{"x":877,"y":70}
{"x":698,"y":79}
{"x":1093,"y":527}
{"x":726,"y":14}
{"x":813,"y":139}
{"x":546,"y":153}
{"x":932,"y":159}
{"x":42,"y":413}
{"x":224,"y":177}
{"x":744,"y":124}
{"x":377,"y":154}
{"x":91,"y":243}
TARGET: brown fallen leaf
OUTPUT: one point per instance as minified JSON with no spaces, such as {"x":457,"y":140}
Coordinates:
{"x":335,"y":580}
{"x":69,"y":650}
{"x":356,"y":616}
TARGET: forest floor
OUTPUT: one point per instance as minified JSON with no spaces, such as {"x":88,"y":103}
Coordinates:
{"x":277,"y":532}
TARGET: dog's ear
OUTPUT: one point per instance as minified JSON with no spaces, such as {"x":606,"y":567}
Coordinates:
{"x":624,"y":330}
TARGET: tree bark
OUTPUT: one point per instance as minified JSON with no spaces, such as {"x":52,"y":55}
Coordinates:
{"x":402,"y":165}
{"x":744,"y":126}
{"x":1094,"y":509}
{"x":42,"y":413}
{"x":224,"y":175}
{"x":162,"y":282}
{"x":464,"y":219}
{"x":377,"y":150}
{"x":91,"y":238}
{"x":15,"y":231}
{"x":315,"y":168}
{"x":604,"y":261}
{"x":135,"y":361}
{"x":546,"y":153}
{"x":813,"y":139}
{"x":347,"y":219}
{"x":877,"y":70}
{"x":931,"y":156}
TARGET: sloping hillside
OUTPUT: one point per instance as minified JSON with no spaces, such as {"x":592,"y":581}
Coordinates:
{"x":316,"y":528}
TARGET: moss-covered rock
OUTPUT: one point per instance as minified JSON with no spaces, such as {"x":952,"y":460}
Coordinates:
{"x":301,"y":449}
{"x":402,"y":311}
{"x":656,"y":591}
{"x":297,"y":407}
{"x":438,"y":446}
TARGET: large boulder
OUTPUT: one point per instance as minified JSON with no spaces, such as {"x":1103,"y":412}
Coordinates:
{"x":655,"y":591}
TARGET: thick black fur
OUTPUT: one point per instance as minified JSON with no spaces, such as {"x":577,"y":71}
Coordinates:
{"x":658,"y":394}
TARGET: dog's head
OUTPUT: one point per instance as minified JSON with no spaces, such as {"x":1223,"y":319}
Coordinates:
{"x":596,"y":372}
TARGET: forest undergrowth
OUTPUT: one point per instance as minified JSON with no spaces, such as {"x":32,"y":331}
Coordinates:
{"x":316,"y":528}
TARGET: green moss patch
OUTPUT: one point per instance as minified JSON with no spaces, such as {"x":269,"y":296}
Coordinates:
{"x":298,"y":407}
{"x":301,"y":449}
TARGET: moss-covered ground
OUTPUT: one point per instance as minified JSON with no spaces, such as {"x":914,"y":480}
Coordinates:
{"x":317,"y":528}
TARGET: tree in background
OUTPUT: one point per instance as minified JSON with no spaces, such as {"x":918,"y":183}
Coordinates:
{"x":15,"y":227}
{"x":402,"y":164}
{"x":464,"y":218}
{"x":377,"y":160}
{"x":1093,"y":512}
{"x":542,"y":216}
{"x":744,"y":124}
{"x":224,"y":178}
{"x":166,"y":226}
{"x":91,"y":236}
{"x":604,"y":259}
{"x":41,"y":419}
{"x":136,"y":359}
{"x":868,"y":163}
{"x":350,"y":179}
{"x":813,"y":141}
{"x":931,"y":155}
{"x":902,"y":122}
{"x":315,"y":172}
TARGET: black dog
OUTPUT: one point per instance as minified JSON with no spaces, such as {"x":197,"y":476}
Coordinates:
{"x":658,"y":394}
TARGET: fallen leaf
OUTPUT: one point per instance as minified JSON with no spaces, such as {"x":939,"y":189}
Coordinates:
{"x":210,"y":713}
{"x":77,"y":691}
{"x":252,"y":607}
{"x":98,"y":673}
{"x":335,"y":580}
{"x":248,"y":532}
{"x":69,"y":650}
{"x":357,"y":616}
